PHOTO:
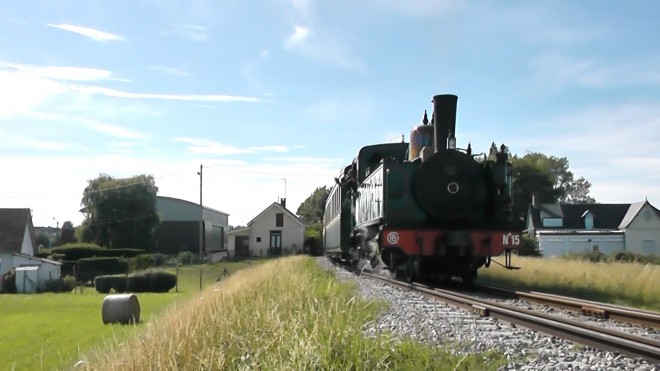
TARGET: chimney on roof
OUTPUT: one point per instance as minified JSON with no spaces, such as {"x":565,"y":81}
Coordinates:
{"x":283,"y":202}
{"x":533,"y":199}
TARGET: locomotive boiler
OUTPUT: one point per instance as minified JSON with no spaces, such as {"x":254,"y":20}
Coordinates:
{"x":425,"y":207}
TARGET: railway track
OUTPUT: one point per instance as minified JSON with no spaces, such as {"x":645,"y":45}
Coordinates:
{"x":591,"y":308}
{"x":587,"y":334}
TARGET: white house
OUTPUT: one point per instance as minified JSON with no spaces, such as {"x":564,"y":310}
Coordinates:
{"x":275,"y":231}
{"x":606,"y":228}
{"x":17,"y":245}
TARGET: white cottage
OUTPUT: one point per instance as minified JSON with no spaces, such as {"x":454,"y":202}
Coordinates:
{"x":17,"y":245}
{"x":606,"y":228}
{"x":275,"y":231}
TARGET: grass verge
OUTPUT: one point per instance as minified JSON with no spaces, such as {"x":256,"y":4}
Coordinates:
{"x":286,"y":314}
{"x":631,"y":284}
{"x":51,"y":331}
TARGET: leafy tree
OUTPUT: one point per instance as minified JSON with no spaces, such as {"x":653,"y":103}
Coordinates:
{"x":120,"y":212}
{"x":549,"y":179}
{"x":311,"y":212}
{"x":43,"y":240}
{"x":313,"y":208}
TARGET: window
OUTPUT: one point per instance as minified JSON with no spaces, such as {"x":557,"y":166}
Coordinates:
{"x":552,"y":222}
{"x":258,"y":239}
{"x":279,"y":220}
{"x":589,"y":221}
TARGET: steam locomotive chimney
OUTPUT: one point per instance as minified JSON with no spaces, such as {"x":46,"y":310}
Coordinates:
{"x":444,"y":119}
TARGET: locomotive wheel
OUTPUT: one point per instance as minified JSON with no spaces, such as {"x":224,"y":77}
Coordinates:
{"x":407,"y":272}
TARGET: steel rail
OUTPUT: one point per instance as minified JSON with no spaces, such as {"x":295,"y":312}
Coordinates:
{"x":597,"y":337}
{"x":603,"y":310}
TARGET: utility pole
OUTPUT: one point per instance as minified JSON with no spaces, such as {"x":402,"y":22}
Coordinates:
{"x":201,"y":215}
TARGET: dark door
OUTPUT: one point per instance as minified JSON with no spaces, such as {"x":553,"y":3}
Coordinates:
{"x":275,"y":247}
{"x":242,"y":246}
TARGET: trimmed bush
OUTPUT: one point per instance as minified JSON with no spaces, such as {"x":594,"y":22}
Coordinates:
{"x":104,"y":284}
{"x":143,"y":281}
{"x":65,"y":284}
{"x":126,"y":253}
{"x":92,"y":267}
{"x":185,"y":257}
{"x":9,"y":282}
{"x":151,"y":281}
{"x":77,"y":251}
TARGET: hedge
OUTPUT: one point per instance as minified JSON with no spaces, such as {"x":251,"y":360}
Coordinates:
{"x":79,"y":251}
{"x":88,"y":268}
{"x":143,"y":281}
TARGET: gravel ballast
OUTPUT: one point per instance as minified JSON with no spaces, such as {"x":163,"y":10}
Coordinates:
{"x":413,"y":315}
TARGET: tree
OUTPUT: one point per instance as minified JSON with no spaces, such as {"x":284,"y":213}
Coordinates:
{"x":120,"y":212}
{"x":43,"y":240}
{"x":549,"y":179}
{"x":313,"y":208}
{"x":311,"y":212}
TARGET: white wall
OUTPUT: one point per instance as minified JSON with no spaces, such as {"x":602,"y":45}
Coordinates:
{"x":46,"y":270}
{"x":558,"y":245}
{"x":643,"y":233}
{"x":293,"y":233}
{"x":26,"y":247}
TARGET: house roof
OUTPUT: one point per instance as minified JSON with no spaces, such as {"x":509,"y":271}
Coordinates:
{"x":38,"y":259}
{"x":239,"y":230}
{"x":605,"y":216}
{"x":12,"y":229}
{"x":281,"y":208}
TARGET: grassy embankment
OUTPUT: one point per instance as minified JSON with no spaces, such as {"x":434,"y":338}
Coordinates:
{"x":49,"y":331}
{"x":286,"y":314}
{"x":631,"y":284}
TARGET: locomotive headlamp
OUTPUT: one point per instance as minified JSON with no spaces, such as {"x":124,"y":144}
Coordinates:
{"x":452,"y":143}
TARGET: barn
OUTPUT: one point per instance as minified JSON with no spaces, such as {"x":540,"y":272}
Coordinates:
{"x":179,"y":228}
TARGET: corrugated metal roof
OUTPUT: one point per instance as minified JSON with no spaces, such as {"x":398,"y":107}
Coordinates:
{"x":28,"y":268}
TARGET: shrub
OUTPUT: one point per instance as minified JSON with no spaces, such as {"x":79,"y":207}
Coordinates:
{"x":185,"y":257}
{"x":92,"y":267}
{"x":65,"y":284}
{"x":68,"y":267}
{"x":594,"y":257}
{"x":151,"y":281}
{"x":77,"y":251}
{"x":529,"y":247}
{"x":126,"y":253}
{"x":9,"y":282}
{"x":104,"y":284}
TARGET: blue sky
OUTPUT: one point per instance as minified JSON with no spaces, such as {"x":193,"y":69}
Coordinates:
{"x":261,"y":91}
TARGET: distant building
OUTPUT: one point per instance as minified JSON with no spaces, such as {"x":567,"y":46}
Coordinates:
{"x":17,"y":246}
{"x":606,"y":228}
{"x":275,"y":231}
{"x":179,"y":227}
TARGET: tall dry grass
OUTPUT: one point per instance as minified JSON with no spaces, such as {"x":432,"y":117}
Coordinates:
{"x":283,"y":315}
{"x":623,"y":283}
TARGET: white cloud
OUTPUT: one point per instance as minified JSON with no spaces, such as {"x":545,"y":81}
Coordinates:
{"x":558,"y":70}
{"x":208,"y":147}
{"x":170,"y":71}
{"x":275,"y":148}
{"x":323,"y":47}
{"x":116,"y":131}
{"x":188,"y":31}
{"x":87,"y":32}
{"x":14,"y":140}
{"x":177,"y":97}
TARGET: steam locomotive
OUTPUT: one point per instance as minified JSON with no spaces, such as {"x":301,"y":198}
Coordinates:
{"x":423,"y":208}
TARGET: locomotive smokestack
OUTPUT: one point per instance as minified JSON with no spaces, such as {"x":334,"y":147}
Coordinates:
{"x":444,"y":119}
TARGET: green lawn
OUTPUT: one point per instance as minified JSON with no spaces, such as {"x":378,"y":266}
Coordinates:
{"x":49,"y":331}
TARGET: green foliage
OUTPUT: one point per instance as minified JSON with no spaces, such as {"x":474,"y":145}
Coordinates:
{"x":142,"y":281}
{"x":549,"y":179}
{"x":313,"y":208}
{"x":529,"y":247}
{"x":185,"y":257}
{"x":120,"y":212}
{"x":42,"y":240}
{"x":77,"y":251}
{"x":314,"y":230}
{"x":65,"y":284}
{"x":116,"y":282}
{"x":92,"y":267}
{"x":9,"y":282}
{"x":151,"y":281}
